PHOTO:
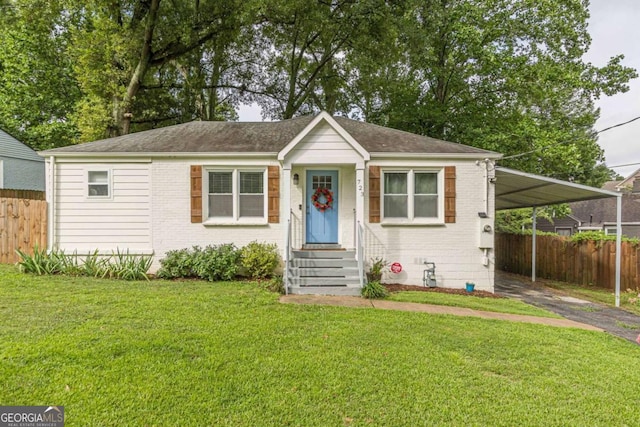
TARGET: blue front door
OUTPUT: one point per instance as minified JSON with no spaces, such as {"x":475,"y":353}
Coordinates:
{"x":322,"y":206}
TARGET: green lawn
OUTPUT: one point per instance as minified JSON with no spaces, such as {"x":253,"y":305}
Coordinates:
{"x":501,"y":305}
{"x":195,"y":353}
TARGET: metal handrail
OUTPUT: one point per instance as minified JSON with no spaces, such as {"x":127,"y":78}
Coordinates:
{"x":360,"y":246}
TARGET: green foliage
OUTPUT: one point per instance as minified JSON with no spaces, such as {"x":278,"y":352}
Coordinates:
{"x":260,"y":259}
{"x":121,"y":265}
{"x":211,"y":263}
{"x":600,"y":236}
{"x":274,"y":284}
{"x":178,"y":264}
{"x":216,"y":262}
{"x":376,"y":265}
{"x":40,"y":263}
{"x":516,"y":220}
{"x":38,"y":89}
{"x":373,"y":290}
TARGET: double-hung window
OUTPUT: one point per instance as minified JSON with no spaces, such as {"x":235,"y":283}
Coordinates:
{"x":98,"y":184}
{"x":237,"y":195}
{"x":412,"y":196}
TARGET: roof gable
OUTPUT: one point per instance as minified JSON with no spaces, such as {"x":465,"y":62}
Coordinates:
{"x":318,"y":119}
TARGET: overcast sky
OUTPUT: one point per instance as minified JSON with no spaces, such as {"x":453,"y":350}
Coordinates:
{"x":615,"y":28}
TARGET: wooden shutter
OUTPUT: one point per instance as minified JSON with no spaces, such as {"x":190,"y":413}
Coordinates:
{"x":273,"y":211}
{"x":196,"y":194}
{"x":374,"y":194}
{"x":450,"y":194}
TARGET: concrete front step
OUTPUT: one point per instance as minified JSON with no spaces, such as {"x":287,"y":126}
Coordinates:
{"x":324,"y":272}
{"x":324,"y":281}
{"x":322,"y":246}
{"x":325,"y":290}
{"x":325,"y":254}
{"x":323,"y":263}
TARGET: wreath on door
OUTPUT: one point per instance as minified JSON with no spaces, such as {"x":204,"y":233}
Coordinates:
{"x":328,"y":199}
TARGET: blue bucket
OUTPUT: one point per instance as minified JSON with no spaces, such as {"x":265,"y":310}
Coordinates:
{"x":470,"y":286}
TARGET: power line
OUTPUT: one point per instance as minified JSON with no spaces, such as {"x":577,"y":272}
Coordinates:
{"x":564,"y":142}
{"x":618,"y":125}
{"x":621,"y":166}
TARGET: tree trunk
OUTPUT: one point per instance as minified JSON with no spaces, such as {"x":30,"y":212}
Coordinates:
{"x":125,"y":114}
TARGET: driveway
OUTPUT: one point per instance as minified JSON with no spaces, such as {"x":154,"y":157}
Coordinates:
{"x":613,"y":320}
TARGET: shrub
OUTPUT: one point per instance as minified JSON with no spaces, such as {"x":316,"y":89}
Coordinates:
{"x":216,"y":262}
{"x":260,"y":259}
{"x":178,"y":264}
{"x":124,"y":266}
{"x":40,"y":263}
{"x":275,"y":284}
{"x":374,"y":290}
{"x":121,"y":265}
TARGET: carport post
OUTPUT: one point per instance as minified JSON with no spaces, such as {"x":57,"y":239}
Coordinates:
{"x":618,"y":246}
{"x":533,"y":248}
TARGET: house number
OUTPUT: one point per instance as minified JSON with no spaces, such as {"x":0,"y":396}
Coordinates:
{"x":359,"y":186}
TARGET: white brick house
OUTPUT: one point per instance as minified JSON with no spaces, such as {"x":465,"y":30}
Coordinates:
{"x":400,"y":196}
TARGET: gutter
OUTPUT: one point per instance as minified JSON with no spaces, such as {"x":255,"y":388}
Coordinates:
{"x":436,"y":156}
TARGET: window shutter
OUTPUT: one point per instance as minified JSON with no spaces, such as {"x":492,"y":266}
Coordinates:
{"x":450,"y":194}
{"x":274,"y":195}
{"x":196,"y":194}
{"x":374,"y":194}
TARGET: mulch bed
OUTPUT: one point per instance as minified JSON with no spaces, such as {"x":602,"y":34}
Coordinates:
{"x":399,"y":288}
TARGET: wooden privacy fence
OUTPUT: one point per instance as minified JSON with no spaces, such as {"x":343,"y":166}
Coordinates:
{"x":584,"y":263}
{"x":23,"y":223}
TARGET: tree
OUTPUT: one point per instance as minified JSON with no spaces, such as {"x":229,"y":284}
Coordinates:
{"x":132,"y":52}
{"x":306,"y":43}
{"x":504,"y":75}
{"x":37,"y":85}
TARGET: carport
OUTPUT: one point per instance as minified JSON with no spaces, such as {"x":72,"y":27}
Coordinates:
{"x":515,"y":189}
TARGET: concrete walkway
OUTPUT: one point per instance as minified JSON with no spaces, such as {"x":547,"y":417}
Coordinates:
{"x":613,"y":320}
{"x":345,"y":301}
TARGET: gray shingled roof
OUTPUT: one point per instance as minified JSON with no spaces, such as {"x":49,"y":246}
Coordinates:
{"x":11,"y":147}
{"x":260,"y":137}
{"x":604,"y":210}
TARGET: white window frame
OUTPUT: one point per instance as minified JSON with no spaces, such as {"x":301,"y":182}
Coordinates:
{"x":411,"y":219}
{"x":88,"y":184}
{"x":610,"y":230}
{"x":235,"y":191}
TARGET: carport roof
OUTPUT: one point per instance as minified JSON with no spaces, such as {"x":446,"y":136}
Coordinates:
{"x":516,"y":189}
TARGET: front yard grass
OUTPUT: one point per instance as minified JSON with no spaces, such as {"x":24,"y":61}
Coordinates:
{"x":500,"y":305}
{"x":197,"y":353}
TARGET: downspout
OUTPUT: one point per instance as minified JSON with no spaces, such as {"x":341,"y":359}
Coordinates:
{"x":52,"y":203}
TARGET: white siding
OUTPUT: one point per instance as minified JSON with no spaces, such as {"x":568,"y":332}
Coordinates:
{"x":171,"y":214}
{"x":453,"y":247}
{"x":323,"y":145}
{"x":119,"y":222}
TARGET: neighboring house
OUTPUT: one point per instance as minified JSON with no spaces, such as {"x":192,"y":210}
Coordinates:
{"x":351,"y":189}
{"x":600,"y":214}
{"x":20,"y":167}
